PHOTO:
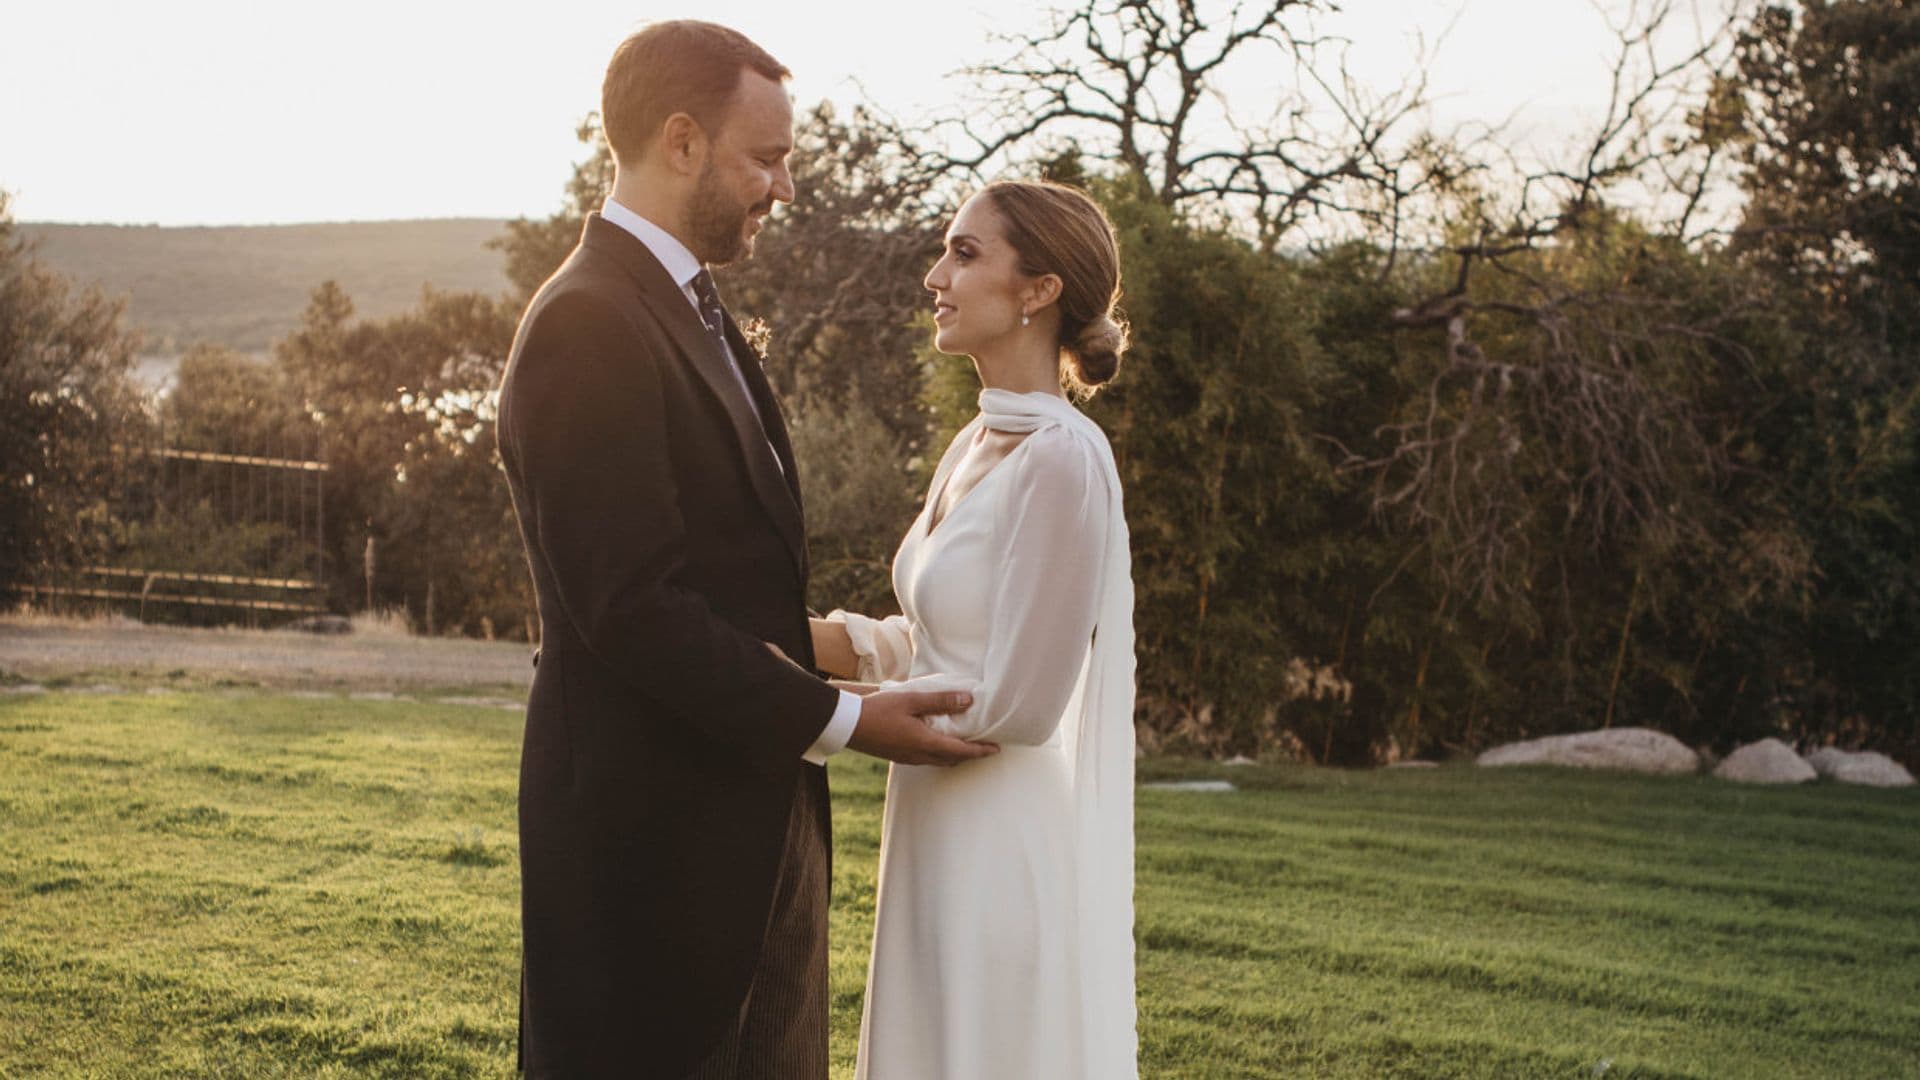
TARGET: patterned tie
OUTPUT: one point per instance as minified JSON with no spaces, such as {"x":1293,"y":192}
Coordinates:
{"x":714,"y":316}
{"x":711,"y":312}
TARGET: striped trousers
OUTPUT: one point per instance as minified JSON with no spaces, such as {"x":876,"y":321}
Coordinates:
{"x":782,"y":1030}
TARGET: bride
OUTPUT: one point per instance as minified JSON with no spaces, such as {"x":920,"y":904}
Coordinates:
{"x":1003,"y":936}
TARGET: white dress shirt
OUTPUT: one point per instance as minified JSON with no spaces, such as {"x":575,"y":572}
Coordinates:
{"x":681,"y":266}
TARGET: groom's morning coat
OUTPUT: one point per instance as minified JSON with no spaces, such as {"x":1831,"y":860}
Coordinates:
{"x":663,"y":739}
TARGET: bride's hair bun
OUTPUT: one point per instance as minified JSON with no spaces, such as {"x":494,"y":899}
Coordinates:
{"x":1094,"y":354}
{"x":1059,"y":230}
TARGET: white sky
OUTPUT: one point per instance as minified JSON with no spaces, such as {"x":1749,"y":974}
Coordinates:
{"x":242,"y":111}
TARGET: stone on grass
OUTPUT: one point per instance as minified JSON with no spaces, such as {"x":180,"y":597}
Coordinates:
{"x":1868,"y":767}
{"x":1768,"y":761}
{"x":1630,"y":749}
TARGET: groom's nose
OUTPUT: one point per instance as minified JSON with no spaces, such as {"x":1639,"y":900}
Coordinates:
{"x":782,"y":184}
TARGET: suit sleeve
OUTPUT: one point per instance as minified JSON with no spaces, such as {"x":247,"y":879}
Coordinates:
{"x":585,"y":421}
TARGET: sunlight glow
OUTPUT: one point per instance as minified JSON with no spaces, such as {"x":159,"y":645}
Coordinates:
{"x":226,"y":112}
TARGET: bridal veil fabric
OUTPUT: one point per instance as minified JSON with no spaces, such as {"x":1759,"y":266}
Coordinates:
{"x":1004,"y":918}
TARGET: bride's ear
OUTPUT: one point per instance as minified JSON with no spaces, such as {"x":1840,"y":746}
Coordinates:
{"x":1041,"y":291}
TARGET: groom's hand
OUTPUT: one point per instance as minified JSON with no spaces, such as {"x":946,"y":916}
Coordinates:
{"x":892,"y":726}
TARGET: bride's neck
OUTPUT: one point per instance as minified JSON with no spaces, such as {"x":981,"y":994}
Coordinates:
{"x":1026,"y":366}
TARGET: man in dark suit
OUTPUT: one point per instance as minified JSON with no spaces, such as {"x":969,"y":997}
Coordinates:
{"x":673,"y":804}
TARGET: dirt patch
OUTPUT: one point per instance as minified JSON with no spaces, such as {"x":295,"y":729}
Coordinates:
{"x":44,"y":650}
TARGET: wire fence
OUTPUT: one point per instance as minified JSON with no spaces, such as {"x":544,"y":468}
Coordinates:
{"x":200,"y":534}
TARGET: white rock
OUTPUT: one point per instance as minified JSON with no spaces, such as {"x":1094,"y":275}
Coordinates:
{"x":1868,"y":767}
{"x":1631,"y":749}
{"x":1238,"y":759}
{"x":1768,"y":761}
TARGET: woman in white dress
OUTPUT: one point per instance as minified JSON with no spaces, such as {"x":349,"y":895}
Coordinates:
{"x":1003,"y":936}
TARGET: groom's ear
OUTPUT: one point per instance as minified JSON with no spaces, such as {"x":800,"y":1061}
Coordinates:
{"x":683,"y":144}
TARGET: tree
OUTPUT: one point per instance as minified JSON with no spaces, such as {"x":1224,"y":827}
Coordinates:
{"x":405,"y":411}
{"x":1137,"y":86}
{"x":65,"y":399}
{"x":221,"y":400}
{"x":1827,"y":107}
{"x":1824,"y":111}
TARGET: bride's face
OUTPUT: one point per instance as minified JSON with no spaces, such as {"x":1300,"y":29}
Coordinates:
{"x":977,"y":285}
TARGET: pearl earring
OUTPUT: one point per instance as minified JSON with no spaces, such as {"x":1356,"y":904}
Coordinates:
{"x":1023,"y":318}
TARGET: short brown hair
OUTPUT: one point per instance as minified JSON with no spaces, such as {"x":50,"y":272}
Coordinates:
{"x":1060,"y":230}
{"x":682,"y":66}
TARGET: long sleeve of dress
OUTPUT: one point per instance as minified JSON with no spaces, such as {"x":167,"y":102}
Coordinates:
{"x":1050,"y":525}
{"x":884,"y":647}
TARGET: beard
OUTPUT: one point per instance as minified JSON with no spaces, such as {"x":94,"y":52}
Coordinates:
{"x":717,"y":226}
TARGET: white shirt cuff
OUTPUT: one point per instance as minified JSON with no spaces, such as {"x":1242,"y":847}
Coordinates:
{"x":833,"y":738}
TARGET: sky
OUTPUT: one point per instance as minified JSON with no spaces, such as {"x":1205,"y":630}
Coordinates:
{"x":208,"y":112}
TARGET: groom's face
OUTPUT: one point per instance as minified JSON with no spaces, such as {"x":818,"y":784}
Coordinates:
{"x":745,"y":171}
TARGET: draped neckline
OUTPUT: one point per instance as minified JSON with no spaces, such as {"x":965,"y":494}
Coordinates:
{"x":1008,"y":410}
{"x":1013,"y":412}
{"x":960,"y":500}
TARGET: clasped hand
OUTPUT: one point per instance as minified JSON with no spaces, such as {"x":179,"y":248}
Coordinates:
{"x":895,"y":724}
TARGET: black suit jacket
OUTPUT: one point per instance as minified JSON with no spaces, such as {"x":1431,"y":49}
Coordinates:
{"x":663,"y":739}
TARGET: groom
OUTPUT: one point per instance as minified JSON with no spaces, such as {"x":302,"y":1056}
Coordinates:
{"x":673,"y":805}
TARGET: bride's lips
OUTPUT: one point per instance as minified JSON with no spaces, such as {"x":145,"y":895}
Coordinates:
{"x":941,"y":311}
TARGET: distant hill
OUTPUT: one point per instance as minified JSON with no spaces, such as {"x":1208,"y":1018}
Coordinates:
{"x":244,"y":286}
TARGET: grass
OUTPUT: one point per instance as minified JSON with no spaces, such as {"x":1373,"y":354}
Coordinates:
{"x":248,"y":884}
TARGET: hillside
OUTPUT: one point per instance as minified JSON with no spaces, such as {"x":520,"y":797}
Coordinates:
{"x":245,"y":286}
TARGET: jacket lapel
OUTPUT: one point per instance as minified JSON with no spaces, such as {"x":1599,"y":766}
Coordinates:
{"x":763,"y":398}
{"x":702,"y":354}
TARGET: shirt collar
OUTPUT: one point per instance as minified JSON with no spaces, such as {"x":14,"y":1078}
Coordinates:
{"x":679,"y":263}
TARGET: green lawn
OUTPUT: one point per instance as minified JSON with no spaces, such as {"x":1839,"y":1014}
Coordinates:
{"x":254,"y":885}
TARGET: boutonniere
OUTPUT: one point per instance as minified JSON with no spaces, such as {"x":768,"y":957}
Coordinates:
{"x":759,"y":336}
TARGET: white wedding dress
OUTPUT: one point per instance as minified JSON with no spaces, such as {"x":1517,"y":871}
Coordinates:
{"x":1003,"y":931}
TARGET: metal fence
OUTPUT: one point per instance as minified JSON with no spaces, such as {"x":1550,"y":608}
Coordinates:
{"x":198,"y":535}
